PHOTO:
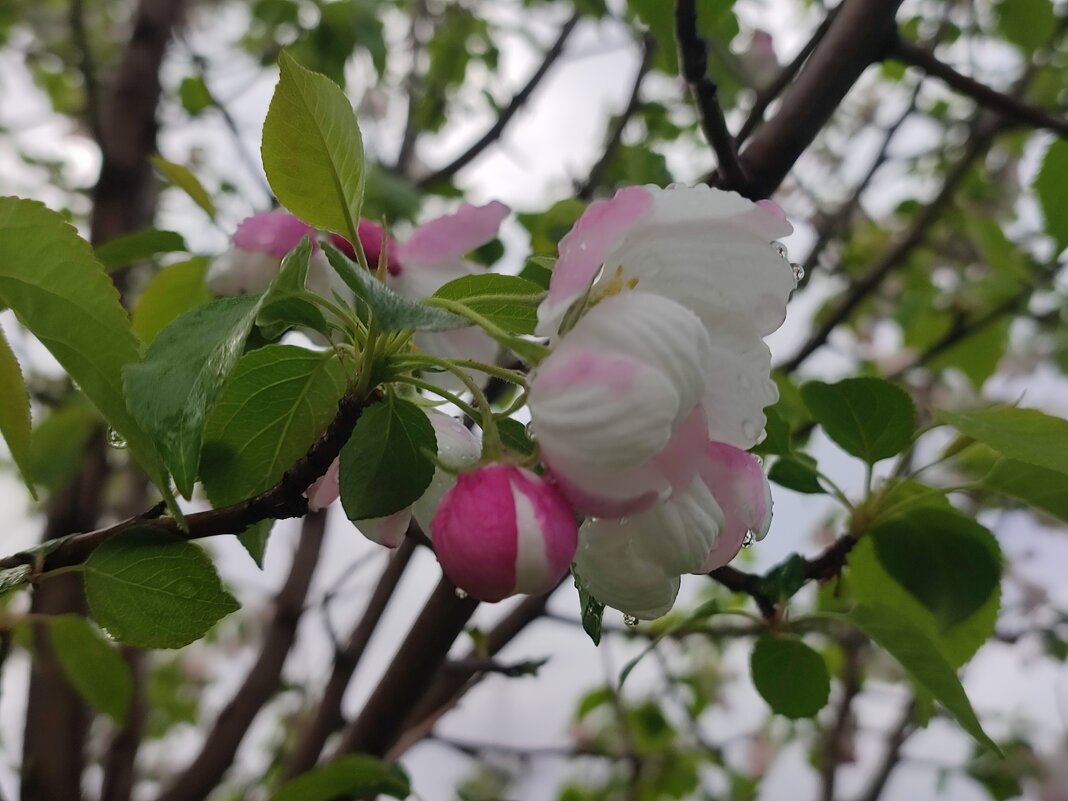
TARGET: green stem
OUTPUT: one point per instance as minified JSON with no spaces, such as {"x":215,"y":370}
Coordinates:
{"x":512,"y":376}
{"x":529,"y":351}
{"x":905,"y":503}
{"x":452,"y":398}
{"x":367,"y":363}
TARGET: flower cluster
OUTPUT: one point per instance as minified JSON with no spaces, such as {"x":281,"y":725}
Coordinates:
{"x":643,"y":411}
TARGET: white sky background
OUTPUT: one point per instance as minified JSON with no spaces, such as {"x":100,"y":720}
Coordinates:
{"x":553,"y":141}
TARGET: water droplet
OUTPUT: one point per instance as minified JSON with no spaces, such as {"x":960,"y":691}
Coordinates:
{"x":460,"y":594}
{"x":780,"y":248}
{"x":750,"y":429}
{"x":113,"y":632}
{"x":529,"y":428}
{"x":115,"y":439}
{"x":747,"y":542}
{"x":799,"y":271}
{"x":630,"y":621}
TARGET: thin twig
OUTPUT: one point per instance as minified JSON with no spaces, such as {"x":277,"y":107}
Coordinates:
{"x":615,"y":137}
{"x":412,"y":85}
{"x":517,"y":102}
{"x":87,"y":66}
{"x":693,"y":63}
{"x":836,"y":736}
{"x":893,"y":756}
{"x":1008,"y":105}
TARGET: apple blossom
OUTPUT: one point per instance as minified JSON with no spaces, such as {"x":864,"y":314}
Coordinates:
{"x":458,"y":449}
{"x":258,"y":246}
{"x":634,"y":564}
{"x":615,"y":406}
{"x":503,"y":530}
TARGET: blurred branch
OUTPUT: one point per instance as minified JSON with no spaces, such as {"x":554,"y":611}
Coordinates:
{"x":517,"y":102}
{"x":892,"y":758}
{"x":217,"y":753}
{"x":381,"y":721}
{"x":766,"y":96}
{"x":750,"y":584}
{"x":121,"y":757}
{"x":860,"y":34}
{"x":1007,"y":105}
{"x":328,"y":717}
{"x":693,"y":64}
{"x":412,"y":84}
{"x":615,"y":137}
{"x":836,"y":737}
{"x":284,"y":500}
{"x":87,"y":67}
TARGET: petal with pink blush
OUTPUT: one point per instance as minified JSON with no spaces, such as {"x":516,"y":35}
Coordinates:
{"x":272,"y":232}
{"x":600,"y":229}
{"x":373,"y":239}
{"x":453,"y":235}
{"x":739,"y":485}
{"x":389,"y":530}
{"x":326,"y":489}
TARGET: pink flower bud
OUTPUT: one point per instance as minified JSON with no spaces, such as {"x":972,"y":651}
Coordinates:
{"x":503,"y":530}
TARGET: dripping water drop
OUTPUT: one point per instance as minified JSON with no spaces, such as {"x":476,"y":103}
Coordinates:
{"x":630,"y":621}
{"x":799,"y":271}
{"x":115,"y":439}
{"x":460,"y":594}
{"x":748,"y":541}
{"x":780,"y":248}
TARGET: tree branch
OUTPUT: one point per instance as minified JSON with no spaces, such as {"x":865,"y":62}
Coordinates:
{"x":517,"y":102}
{"x":284,"y":500}
{"x":593,"y":180}
{"x":835,"y":737}
{"x":121,"y":757}
{"x":901,"y":732}
{"x":1007,"y":105}
{"x":328,"y":718}
{"x":419,"y":657}
{"x":860,"y":34}
{"x":693,"y":64}
{"x":216,"y":755}
{"x":87,"y":67}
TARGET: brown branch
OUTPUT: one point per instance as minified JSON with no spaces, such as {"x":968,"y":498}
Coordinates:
{"x":750,"y":584}
{"x":1009,"y":106}
{"x":693,"y":64}
{"x":835,"y":739}
{"x":328,"y":718}
{"x":284,"y":500}
{"x":517,"y":102}
{"x":892,"y":757}
{"x":119,"y":763}
{"x":411,"y":85}
{"x":87,"y":67}
{"x":859,"y":35}
{"x":983,"y":132}
{"x":419,"y":657}
{"x":216,"y":755}
{"x":615,"y":136}
{"x":767,"y":95}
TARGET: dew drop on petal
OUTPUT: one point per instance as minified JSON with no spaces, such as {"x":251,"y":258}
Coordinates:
{"x":460,"y":594}
{"x":799,"y":271}
{"x":630,"y":621}
{"x":748,"y":541}
{"x":780,"y":248}
{"x":115,"y":439}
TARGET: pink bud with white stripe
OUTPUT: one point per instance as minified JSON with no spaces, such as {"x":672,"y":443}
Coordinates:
{"x":504,"y":530}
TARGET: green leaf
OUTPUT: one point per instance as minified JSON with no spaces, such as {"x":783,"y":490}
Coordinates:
{"x":287,"y":303}
{"x":393,"y":312}
{"x":278,"y":400}
{"x":15,"y":413}
{"x":784,"y":580}
{"x":12,"y":578}
{"x":59,"y":442}
{"x":1051,"y":188}
{"x":943,"y":559}
{"x":171,"y":292}
{"x":139,"y":246}
{"x":867,"y":417}
{"x":384,"y":465}
{"x":923,"y":661}
{"x":1046,"y":490}
{"x":312,"y":149}
{"x":59,"y":291}
{"x":254,"y":540}
{"x":1027,"y":23}
{"x":978,"y":355}
{"x":797,"y":472}
{"x":870,"y":582}
{"x":538,"y":270}
{"x":1024,"y":434}
{"x":514,"y":436}
{"x":790,"y":676}
{"x":351,"y":777}
{"x":194,"y":95}
{"x":482,"y":294}
{"x":151,"y":589}
{"x":182,"y":178}
{"x":172,"y":391}
{"x":590,"y":610}
{"x":92,"y":665}
{"x":777,"y":434}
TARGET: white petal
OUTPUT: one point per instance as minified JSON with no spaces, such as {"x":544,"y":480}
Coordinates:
{"x":739,"y":389}
{"x":618,"y":574}
{"x":389,"y":530}
{"x":678,"y":534}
